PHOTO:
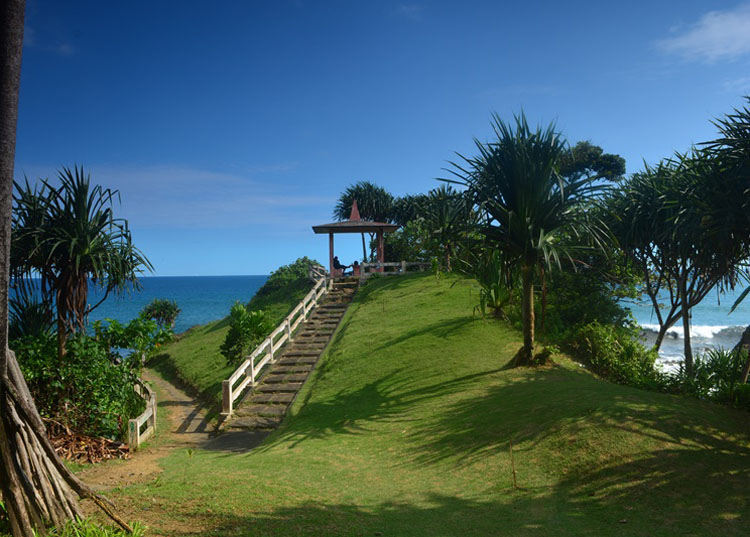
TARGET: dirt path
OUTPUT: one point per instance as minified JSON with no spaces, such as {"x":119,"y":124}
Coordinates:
{"x":188,"y":429}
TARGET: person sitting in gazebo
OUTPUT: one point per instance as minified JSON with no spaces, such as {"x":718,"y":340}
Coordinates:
{"x":338,"y":266}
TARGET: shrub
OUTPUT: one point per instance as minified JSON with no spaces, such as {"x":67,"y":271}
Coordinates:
{"x":716,"y":377}
{"x":286,"y":275}
{"x":140,"y":335}
{"x":85,"y":391}
{"x":614,"y":353}
{"x":246,"y":328}
{"x":28,"y":315}
{"x":163,"y":311}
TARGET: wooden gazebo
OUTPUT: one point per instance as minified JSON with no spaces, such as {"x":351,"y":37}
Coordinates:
{"x":355,"y":225}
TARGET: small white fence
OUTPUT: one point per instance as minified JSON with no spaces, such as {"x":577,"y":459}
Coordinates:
{"x":389,"y":269}
{"x":137,"y":433}
{"x":247,"y":373}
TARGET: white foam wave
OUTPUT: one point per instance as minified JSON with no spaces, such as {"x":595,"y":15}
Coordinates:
{"x":698,"y":331}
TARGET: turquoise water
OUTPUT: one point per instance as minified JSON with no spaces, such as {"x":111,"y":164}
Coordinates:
{"x":711,"y":326}
{"x":201,"y":298}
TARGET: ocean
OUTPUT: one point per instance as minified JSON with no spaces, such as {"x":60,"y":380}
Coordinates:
{"x":201,"y":298}
{"x":712,"y":326}
{"x":208,"y":298}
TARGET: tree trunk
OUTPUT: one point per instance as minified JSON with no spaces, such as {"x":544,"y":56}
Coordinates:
{"x":447,"y":258}
{"x":686,"y":328}
{"x":660,"y":337}
{"x":61,"y":332}
{"x":744,"y":345}
{"x":364,"y":249}
{"x":527,"y":312}
{"x":37,"y":488}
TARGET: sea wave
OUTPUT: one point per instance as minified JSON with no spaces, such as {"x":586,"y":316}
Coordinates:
{"x":723,"y":332}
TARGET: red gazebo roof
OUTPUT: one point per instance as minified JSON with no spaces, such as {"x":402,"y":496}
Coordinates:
{"x":355,"y":225}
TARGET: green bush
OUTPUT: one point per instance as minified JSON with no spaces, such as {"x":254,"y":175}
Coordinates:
{"x":286,"y":275}
{"x":716,"y":377}
{"x":614,"y":353}
{"x":163,"y":311}
{"x":28,"y":315}
{"x":141,"y":335}
{"x":246,"y":329}
{"x":85,"y":391}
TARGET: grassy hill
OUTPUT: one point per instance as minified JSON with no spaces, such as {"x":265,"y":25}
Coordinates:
{"x":405,"y":428}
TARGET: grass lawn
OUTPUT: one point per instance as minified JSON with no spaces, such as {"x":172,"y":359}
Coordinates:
{"x":195,"y":359}
{"x":404,"y":430}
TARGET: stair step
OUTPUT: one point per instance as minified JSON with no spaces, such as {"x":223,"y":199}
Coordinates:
{"x":255,"y":422}
{"x":293,"y":368}
{"x":262,"y":410}
{"x":316,"y":332}
{"x":275,"y":377}
{"x":300,"y":352}
{"x":279,"y":387}
{"x":272,"y":398}
{"x":294,"y":360}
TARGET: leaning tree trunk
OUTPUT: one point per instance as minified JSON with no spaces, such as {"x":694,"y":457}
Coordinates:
{"x":686,"y":328}
{"x":744,"y":345}
{"x":37,"y":488}
{"x":527,"y":312}
{"x":364,"y":249}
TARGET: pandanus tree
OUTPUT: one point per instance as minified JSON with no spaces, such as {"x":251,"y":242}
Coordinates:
{"x":374,"y":203}
{"x":68,"y":236}
{"x":448,"y":215}
{"x":728,"y":220}
{"x":37,"y":488}
{"x":663,"y":219}
{"x":530,"y":211}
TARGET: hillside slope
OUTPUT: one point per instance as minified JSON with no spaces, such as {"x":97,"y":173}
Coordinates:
{"x":405,"y":429}
{"x":195,"y":358}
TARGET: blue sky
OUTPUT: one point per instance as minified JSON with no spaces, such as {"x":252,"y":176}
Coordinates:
{"x":231,"y":127}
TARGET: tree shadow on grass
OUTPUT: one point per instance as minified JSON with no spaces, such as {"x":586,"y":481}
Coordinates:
{"x":611,"y":445}
{"x":522,"y":514}
{"x":354,"y":412}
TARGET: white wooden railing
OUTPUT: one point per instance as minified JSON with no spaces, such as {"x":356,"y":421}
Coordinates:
{"x":246,"y":374}
{"x":137,"y":434}
{"x":389,"y":269}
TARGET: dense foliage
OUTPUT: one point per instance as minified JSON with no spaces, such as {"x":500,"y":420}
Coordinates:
{"x":246,"y":329}
{"x":141,"y":335}
{"x":285,"y":275}
{"x":86,"y":392}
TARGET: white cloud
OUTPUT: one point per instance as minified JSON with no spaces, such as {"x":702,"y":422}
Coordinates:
{"x":716,"y":36}
{"x":738,"y":85}
{"x":181,"y":198}
{"x":409,"y":11}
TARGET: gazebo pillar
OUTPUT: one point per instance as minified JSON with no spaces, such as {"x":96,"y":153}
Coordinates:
{"x":381,"y":252}
{"x":330,"y":253}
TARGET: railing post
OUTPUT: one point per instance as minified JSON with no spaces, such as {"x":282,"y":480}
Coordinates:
{"x":134,"y":435}
{"x":270,"y":348}
{"x":153,"y":411}
{"x":403,"y":267}
{"x":226,"y":397}
{"x":252,"y":371}
{"x":289,"y":330}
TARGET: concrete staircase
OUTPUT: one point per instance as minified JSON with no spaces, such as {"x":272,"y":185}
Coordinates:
{"x":265,"y":406}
